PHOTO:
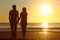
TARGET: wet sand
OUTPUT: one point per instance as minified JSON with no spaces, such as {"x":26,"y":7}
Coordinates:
{"x":5,"y":35}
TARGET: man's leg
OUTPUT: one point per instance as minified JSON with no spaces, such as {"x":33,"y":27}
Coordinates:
{"x":23,"y":31}
{"x":12,"y":32}
{"x":15,"y":27}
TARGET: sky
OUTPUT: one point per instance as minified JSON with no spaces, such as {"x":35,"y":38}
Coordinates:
{"x":33,"y":9}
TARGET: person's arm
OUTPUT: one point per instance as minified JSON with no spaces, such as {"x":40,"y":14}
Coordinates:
{"x":17,"y":17}
{"x":20,"y":16}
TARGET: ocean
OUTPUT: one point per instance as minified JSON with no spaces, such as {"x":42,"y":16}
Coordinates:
{"x":55,"y":27}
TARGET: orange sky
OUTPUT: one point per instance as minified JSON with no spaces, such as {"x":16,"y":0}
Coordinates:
{"x":33,"y":8}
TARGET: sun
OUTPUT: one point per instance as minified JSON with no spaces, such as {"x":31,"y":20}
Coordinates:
{"x":45,"y":9}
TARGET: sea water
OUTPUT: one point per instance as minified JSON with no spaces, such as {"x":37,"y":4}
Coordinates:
{"x":55,"y":27}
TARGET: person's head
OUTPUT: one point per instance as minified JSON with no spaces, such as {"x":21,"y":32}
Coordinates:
{"x":24,"y":9}
{"x":14,"y":7}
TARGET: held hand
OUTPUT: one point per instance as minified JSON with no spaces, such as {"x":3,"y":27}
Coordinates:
{"x":18,"y":20}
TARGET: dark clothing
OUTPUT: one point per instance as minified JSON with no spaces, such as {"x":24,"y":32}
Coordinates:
{"x":23,"y":18}
{"x":13,"y":19}
{"x":13,"y":16}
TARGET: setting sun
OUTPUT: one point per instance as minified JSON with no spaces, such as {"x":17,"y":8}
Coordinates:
{"x":45,"y":9}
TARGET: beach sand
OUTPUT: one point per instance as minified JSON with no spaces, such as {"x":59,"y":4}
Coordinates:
{"x":5,"y":35}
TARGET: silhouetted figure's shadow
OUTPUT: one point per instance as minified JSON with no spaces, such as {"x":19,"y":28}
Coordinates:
{"x":13,"y":19}
{"x":23,"y":17}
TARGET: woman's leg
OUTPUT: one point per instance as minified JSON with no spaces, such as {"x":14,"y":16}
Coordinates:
{"x":23,"y":31}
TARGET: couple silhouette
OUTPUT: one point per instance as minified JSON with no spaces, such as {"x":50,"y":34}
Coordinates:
{"x":14,"y":19}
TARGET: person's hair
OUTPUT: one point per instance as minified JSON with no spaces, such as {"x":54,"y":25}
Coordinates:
{"x":24,"y":9}
{"x":14,"y":6}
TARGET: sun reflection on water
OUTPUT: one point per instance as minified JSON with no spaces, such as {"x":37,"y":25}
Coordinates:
{"x":45,"y":31}
{"x":45,"y":26}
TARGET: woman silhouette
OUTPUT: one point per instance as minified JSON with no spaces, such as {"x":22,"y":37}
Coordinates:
{"x":23,"y":23}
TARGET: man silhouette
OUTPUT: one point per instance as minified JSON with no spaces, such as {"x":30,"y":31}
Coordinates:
{"x":13,"y":19}
{"x":23,"y":17}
